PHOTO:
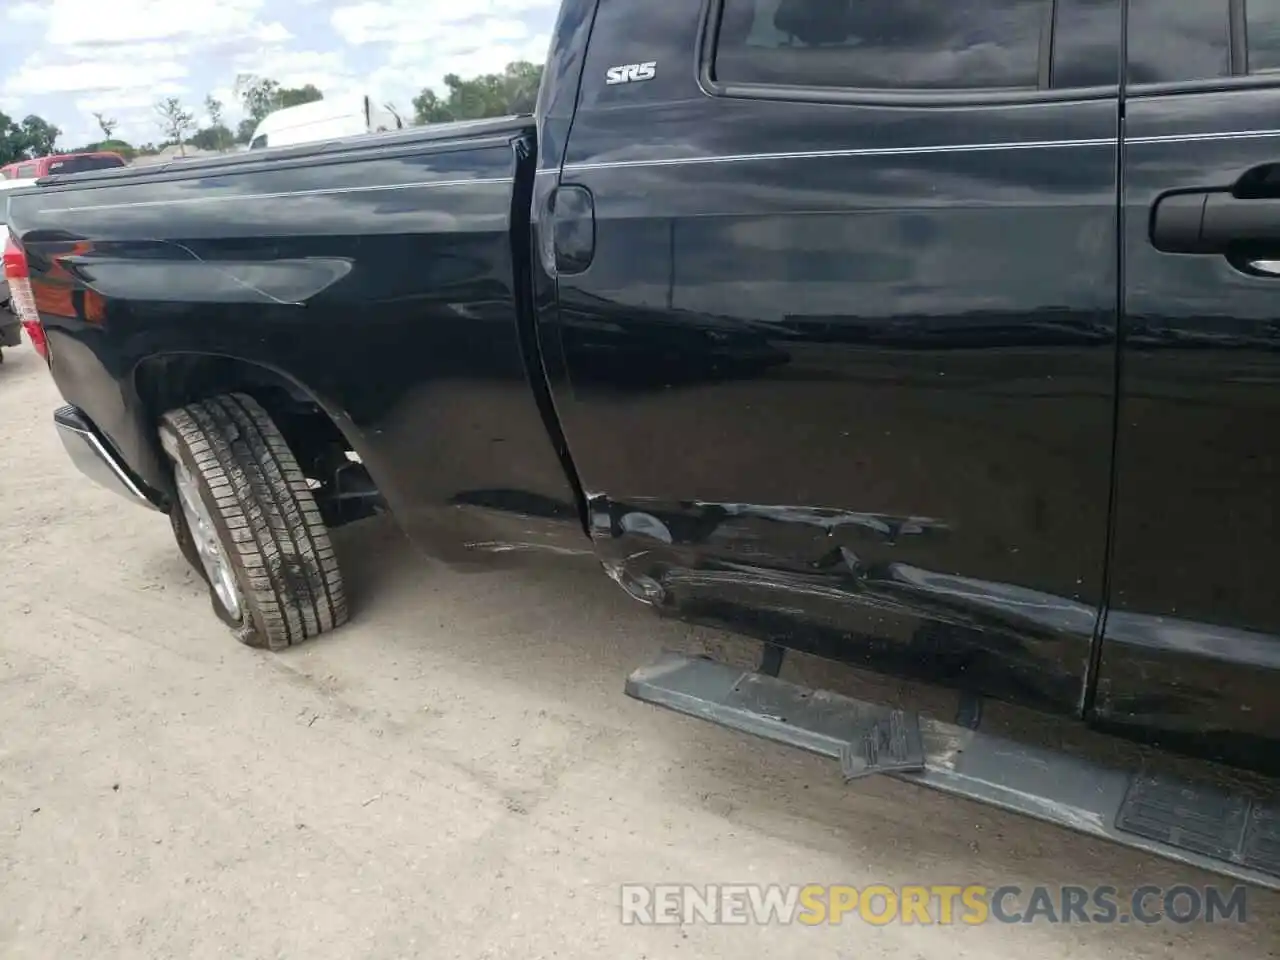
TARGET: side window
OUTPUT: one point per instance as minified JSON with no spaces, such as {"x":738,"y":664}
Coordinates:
{"x":259,"y":143}
{"x":26,"y":171}
{"x":882,"y":44}
{"x":1173,"y":40}
{"x":1262,"y":21}
{"x":83,"y":164}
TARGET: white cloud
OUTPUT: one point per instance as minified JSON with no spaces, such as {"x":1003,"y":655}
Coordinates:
{"x":409,"y":21}
{"x":28,"y":13}
{"x":293,"y":68}
{"x":130,"y":21}
{"x":274,"y":32}
{"x":92,"y":76}
{"x":112,"y":103}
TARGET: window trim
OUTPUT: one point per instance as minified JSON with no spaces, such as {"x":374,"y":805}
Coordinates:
{"x":1237,"y":38}
{"x":1168,"y":88}
{"x":708,"y":34}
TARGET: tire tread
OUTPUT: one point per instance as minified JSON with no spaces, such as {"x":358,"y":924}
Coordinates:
{"x":286,"y":565}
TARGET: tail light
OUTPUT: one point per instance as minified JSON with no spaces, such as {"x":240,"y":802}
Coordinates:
{"x":22,"y":299}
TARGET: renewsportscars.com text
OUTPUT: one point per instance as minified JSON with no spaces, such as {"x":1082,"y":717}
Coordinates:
{"x":929,"y":904}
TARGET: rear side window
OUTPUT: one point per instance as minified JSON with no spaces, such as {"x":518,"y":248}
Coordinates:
{"x":882,"y":44}
{"x":26,"y":171}
{"x":259,"y":143}
{"x":1262,"y":20}
{"x":1172,"y":40}
{"x":82,"y":164}
{"x":1181,"y":40}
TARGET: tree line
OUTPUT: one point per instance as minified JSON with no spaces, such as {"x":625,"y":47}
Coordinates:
{"x":514,"y":90}
{"x":30,"y":137}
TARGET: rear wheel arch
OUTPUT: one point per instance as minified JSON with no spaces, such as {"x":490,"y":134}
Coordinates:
{"x":165,"y":382}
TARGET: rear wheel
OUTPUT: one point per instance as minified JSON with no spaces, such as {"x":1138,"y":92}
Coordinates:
{"x":245,"y":517}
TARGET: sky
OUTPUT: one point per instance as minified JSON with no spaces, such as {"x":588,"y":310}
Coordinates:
{"x":67,"y":59}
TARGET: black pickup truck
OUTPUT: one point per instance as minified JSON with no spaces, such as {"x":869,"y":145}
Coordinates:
{"x":938,"y":339}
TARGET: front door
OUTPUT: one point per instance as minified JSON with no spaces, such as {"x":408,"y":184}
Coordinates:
{"x":1191,"y":656}
{"x":841,"y":372}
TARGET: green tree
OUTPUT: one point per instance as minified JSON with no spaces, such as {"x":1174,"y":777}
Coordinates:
{"x":294,"y":97}
{"x":258,"y":95}
{"x":122,"y":147}
{"x":515,"y":90}
{"x":522,"y":81}
{"x":429,"y":108}
{"x":12,"y":145}
{"x":213,"y":107}
{"x":41,"y":136}
{"x":216,"y":136}
{"x":175,"y":121}
{"x":33,"y":137}
{"x":108,"y":125}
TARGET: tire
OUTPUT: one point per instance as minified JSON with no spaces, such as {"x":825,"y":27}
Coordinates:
{"x":272,"y":572}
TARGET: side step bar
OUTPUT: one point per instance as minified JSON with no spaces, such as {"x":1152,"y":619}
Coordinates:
{"x":1228,"y":834}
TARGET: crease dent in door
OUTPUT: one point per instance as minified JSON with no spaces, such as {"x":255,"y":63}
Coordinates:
{"x":822,"y":579}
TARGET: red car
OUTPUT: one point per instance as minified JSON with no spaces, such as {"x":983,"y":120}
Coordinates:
{"x":61,"y":163}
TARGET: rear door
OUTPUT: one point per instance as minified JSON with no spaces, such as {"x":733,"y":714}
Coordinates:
{"x":1192,"y":643}
{"x":836,"y":335}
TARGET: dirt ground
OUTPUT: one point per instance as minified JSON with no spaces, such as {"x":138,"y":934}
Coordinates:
{"x":455,"y":774}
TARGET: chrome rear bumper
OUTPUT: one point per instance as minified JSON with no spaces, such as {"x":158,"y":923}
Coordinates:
{"x":94,"y":458}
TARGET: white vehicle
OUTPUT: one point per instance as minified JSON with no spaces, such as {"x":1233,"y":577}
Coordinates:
{"x":328,"y":119}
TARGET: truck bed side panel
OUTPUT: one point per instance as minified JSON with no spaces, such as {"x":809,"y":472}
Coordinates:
{"x":379,"y":279}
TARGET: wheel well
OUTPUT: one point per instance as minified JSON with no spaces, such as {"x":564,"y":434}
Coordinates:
{"x":322,"y":450}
